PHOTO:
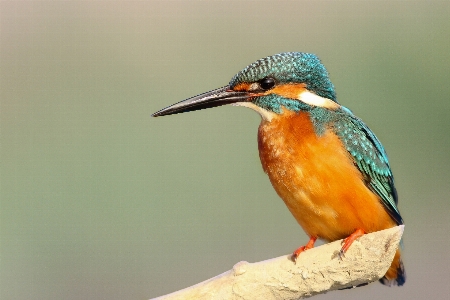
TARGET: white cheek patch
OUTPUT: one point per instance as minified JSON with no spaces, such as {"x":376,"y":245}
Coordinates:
{"x":313,"y":99}
{"x":265,"y":114}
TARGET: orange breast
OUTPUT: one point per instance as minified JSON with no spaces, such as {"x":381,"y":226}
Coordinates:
{"x":316,"y":178}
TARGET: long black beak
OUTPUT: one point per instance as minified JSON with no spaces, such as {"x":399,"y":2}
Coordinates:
{"x":218,"y":97}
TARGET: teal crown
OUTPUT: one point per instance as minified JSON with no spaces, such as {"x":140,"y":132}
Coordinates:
{"x":290,"y":67}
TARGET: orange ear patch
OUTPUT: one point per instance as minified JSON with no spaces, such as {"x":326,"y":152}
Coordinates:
{"x":291,"y":91}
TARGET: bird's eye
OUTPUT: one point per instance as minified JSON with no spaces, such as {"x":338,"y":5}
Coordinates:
{"x":267,"y":83}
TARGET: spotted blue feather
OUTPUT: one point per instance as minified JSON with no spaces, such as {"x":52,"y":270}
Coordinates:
{"x":371,"y":159}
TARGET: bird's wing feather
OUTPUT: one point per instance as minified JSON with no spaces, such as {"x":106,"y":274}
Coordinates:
{"x":371,"y":159}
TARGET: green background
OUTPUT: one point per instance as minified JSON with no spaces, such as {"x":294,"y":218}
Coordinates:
{"x":101,"y":201}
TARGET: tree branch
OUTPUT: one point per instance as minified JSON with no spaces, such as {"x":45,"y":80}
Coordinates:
{"x":317,"y":270}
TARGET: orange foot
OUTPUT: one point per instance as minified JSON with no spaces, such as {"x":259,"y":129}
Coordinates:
{"x":349,"y":240}
{"x":310,"y":245}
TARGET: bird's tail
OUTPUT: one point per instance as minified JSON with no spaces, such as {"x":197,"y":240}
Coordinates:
{"x":396,"y":273}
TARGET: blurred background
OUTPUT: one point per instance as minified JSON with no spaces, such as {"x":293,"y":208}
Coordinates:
{"x":101,"y":201}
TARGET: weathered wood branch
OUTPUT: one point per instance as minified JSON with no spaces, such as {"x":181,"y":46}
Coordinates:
{"x":317,"y":270}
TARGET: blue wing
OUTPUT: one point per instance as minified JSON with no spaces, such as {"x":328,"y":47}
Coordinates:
{"x":370,"y":158}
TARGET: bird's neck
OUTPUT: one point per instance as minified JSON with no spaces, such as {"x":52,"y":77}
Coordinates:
{"x":275,"y":136}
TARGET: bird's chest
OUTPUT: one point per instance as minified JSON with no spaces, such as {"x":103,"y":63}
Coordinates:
{"x":306,"y":170}
{"x":289,"y":152}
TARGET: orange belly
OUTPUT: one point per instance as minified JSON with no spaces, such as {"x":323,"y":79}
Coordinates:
{"x":316,"y":178}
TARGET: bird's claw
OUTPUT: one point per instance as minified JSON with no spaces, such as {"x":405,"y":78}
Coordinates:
{"x":348,"y":241}
{"x":296,"y":253}
{"x":309,"y":245}
{"x":341,"y":254}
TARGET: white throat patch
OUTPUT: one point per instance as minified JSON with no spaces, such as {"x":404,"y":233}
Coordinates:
{"x":304,"y":96}
{"x":265,"y":114}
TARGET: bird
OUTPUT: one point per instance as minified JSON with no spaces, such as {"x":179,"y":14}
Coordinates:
{"x":325,"y":163}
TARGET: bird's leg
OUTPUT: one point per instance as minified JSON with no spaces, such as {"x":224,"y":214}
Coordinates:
{"x":349,"y":240}
{"x":309,"y":245}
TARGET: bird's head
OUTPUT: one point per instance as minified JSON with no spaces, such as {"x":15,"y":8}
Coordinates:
{"x":293,"y":80}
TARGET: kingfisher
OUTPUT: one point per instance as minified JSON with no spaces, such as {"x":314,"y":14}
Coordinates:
{"x":327,"y":166}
